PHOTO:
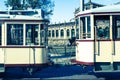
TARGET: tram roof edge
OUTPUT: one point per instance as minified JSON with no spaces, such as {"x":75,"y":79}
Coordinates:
{"x":104,"y":9}
{"x":35,"y":14}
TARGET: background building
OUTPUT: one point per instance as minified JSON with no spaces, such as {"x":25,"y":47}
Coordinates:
{"x":59,"y":34}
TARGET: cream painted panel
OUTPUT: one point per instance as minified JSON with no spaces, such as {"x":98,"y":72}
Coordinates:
{"x":16,"y":55}
{"x":38,"y":55}
{"x":104,"y":49}
{"x":1,"y":56}
{"x":84,"y":52}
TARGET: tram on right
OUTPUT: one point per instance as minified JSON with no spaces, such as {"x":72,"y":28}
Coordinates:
{"x":98,"y":38}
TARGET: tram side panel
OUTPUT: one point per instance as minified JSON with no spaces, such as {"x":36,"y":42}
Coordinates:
{"x":84,"y":52}
{"x":25,"y":57}
{"x":103,"y":51}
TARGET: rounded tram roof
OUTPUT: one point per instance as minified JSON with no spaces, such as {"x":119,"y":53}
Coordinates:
{"x":107,"y":10}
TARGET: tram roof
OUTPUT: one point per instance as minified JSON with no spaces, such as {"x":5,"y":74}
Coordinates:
{"x":102,"y":10}
{"x":22,"y":14}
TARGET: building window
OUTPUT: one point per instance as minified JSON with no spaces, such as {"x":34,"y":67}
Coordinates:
{"x":14,"y":34}
{"x":32,"y":34}
{"x":72,"y":32}
{"x":53,"y":33}
{"x":62,"y":33}
{"x":68,"y":32}
{"x":49,"y":33}
{"x":57,"y":33}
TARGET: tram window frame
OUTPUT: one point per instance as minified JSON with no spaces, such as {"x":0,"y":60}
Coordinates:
{"x":15,"y":34}
{"x":102,"y":24}
{"x":85,"y":27}
{"x":77,"y":28}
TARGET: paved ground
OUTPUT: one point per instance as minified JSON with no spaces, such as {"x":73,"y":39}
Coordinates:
{"x":60,"y":71}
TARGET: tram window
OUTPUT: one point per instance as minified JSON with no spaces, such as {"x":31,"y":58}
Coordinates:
{"x":32,"y":34}
{"x":0,"y":34}
{"x":77,"y":33}
{"x":117,"y":27}
{"x":14,"y":34}
{"x":43,"y":34}
{"x":77,"y":28}
{"x":85,"y":28}
{"x":103,"y":30}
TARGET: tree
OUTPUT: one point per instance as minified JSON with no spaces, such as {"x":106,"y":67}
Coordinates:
{"x":46,"y":5}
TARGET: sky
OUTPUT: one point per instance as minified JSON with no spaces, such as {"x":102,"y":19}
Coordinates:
{"x":64,"y":9}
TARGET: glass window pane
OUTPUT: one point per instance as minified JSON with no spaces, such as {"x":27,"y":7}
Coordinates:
{"x":103,"y":27}
{"x":14,"y":34}
{"x":0,"y":34}
{"x":32,"y":34}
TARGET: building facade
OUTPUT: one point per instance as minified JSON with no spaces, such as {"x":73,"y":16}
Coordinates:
{"x":59,"y":34}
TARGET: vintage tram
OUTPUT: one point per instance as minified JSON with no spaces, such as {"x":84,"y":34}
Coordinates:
{"x":98,"y":38}
{"x":23,"y":39}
